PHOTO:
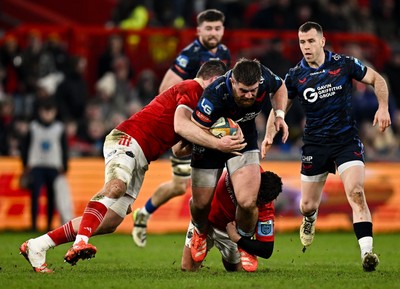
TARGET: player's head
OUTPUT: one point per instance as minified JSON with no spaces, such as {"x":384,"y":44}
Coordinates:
{"x":245,"y":79}
{"x":270,"y":187}
{"x":211,"y":69}
{"x":312,"y":42}
{"x":210,"y":28}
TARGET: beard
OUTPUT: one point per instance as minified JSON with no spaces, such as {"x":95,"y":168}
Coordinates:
{"x":210,"y":45}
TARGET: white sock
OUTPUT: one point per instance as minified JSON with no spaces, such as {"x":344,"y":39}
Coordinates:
{"x":42,"y":243}
{"x":365,"y":245}
{"x":144,"y":211}
{"x":81,"y":237}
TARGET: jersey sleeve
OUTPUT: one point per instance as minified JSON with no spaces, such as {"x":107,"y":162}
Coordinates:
{"x":291,"y":89}
{"x":209,"y":108}
{"x":265,"y":223}
{"x":186,"y":64}
{"x":356,"y":67}
{"x":274,"y":82}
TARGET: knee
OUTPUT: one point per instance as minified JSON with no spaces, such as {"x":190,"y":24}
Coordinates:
{"x":247,"y":204}
{"x":308,"y":207}
{"x":114,"y":189}
{"x":357,"y":196}
{"x":179,"y":187}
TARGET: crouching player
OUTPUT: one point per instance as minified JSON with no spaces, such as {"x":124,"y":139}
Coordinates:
{"x":238,"y":252}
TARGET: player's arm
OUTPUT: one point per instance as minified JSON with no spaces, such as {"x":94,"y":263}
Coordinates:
{"x":170,"y":79}
{"x":382,"y":116}
{"x":254,"y":247}
{"x":194,"y":132}
{"x":271,"y":130}
{"x":279,"y":104}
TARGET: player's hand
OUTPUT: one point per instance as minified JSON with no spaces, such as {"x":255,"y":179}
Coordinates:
{"x":280,"y":125}
{"x":266,"y":145}
{"x":232,"y":144}
{"x":232,"y":232}
{"x":382,"y":118}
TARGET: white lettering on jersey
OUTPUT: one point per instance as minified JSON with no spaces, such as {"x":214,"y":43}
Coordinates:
{"x":311,"y":95}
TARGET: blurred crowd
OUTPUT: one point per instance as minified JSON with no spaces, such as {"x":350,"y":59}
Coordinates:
{"x":43,"y":68}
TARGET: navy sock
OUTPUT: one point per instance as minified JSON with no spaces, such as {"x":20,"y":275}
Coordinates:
{"x":362,"y":229}
{"x":150,"y":208}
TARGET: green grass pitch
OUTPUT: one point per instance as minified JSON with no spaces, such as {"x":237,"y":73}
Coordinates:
{"x":333,"y":261}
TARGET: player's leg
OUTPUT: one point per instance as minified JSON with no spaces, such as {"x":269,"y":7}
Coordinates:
{"x":124,"y":173}
{"x":34,"y":250}
{"x":204,"y":182}
{"x":187,"y":262}
{"x":311,"y":193}
{"x":353,"y":181}
{"x":246,"y":178}
{"x":180,"y":182}
{"x":316,"y":164}
{"x":231,"y":257}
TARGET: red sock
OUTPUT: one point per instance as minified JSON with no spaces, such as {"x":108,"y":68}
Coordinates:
{"x":63,"y":234}
{"x":92,"y":217}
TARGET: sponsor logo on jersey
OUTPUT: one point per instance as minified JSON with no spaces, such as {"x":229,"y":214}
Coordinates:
{"x":206,"y":106}
{"x":334,"y":72}
{"x":265,"y":228}
{"x":203,"y":117}
{"x":248,"y":116}
{"x":182,"y":61}
{"x":301,"y":81}
{"x":311,"y":94}
{"x":318,"y":72}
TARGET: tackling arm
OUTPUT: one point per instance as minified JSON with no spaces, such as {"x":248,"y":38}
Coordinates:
{"x":254,"y":247}
{"x":193,"y":132}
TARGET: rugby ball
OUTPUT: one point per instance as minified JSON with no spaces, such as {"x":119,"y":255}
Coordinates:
{"x":224,"y":126}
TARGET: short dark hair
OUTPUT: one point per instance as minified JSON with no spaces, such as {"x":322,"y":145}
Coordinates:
{"x":210,"y":15}
{"x":47,"y":104}
{"x":311,"y":25}
{"x":270,"y":187}
{"x":247,"y":71}
{"x":212,"y":68}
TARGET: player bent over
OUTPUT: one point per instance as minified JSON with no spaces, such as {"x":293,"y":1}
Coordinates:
{"x":237,"y":252}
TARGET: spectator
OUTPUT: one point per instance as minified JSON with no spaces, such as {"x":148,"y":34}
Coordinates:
{"x":72,"y":93}
{"x":114,"y":49}
{"x":45,"y":156}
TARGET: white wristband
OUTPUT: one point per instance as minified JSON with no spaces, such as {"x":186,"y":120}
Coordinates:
{"x":280,"y":113}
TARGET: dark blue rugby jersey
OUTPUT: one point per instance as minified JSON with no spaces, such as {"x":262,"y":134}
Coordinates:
{"x":190,"y":59}
{"x":325,"y":94}
{"x":217,"y":100}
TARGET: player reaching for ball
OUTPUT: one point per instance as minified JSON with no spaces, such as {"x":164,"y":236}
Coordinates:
{"x":210,"y":30}
{"x":239,"y":94}
{"x":128,"y":150}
